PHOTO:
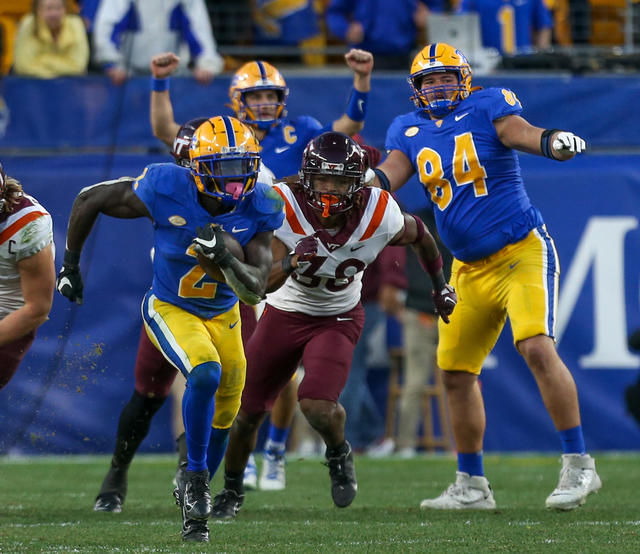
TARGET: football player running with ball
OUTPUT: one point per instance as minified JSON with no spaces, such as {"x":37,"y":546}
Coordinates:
{"x":334,"y":228}
{"x":189,"y":316}
{"x":258,"y":97}
{"x":461,"y":142}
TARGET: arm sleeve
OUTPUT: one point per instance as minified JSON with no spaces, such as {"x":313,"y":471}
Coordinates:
{"x":25,"y":48}
{"x":79,"y":58}
{"x":337,"y":21}
{"x":33,"y":237}
{"x":197,"y":33}
{"x":107,"y":28}
{"x":145,"y":188}
{"x":502,"y":102}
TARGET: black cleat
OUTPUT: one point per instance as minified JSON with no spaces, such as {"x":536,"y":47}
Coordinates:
{"x":194,"y":530}
{"x":108,"y":502}
{"x":343,"y":477}
{"x":179,"y":482}
{"x":226,"y":504}
{"x":197,"y":496}
{"x":113,"y":490}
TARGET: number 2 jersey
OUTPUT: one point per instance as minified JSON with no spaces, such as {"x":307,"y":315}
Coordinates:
{"x":332,"y":281}
{"x":474,"y":181}
{"x":24,"y":232}
{"x":171,"y":196}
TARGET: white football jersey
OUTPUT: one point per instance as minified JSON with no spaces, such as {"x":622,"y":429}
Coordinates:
{"x":330,"y":284}
{"x":23,"y":233}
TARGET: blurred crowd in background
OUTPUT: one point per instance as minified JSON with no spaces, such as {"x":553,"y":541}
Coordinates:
{"x":49,"y":38}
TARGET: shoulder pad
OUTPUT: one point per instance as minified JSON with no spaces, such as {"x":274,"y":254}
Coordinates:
{"x":266,"y":199}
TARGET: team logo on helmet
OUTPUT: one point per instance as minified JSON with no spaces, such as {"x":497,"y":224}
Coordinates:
{"x":180,"y":148}
{"x":439,"y":58}
{"x":338,"y":155}
{"x":255,"y":76}
{"x":224,"y":159}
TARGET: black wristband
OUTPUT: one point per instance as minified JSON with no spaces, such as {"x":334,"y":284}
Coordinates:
{"x":287,"y":267}
{"x":384,"y":180}
{"x":545,"y":143}
{"x":71,"y":258}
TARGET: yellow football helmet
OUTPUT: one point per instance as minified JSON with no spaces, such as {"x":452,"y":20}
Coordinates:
{"x":224,"y":159}
{"x":252,"y":76}
{"x":439,"y":58}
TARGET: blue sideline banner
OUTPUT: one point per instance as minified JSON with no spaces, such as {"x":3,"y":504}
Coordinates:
{"x":90,"y":112}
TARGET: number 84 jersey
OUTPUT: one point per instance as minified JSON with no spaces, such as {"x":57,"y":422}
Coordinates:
{"x":330,"y":284}
{"x":472,"y":178}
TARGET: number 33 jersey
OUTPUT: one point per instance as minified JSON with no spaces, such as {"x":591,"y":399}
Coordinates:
{"x":330,"y":283}
{"x":472,"y":179}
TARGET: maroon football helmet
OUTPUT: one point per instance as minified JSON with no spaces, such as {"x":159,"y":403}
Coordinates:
{"x":180,"y":149}
{"x":332,"y":154}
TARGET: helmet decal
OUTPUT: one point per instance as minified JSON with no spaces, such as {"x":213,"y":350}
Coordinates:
{"x":338,"y":155}
{"x":257,"y":76}
{"x":224,"y":159}
{"x":442,"y":98}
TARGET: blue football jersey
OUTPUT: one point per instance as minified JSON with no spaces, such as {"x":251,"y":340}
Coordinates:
{"x":473,"y":179}
{"x":282,"y":146}
{"x":171,"y":196}
{"x":507,"y":24}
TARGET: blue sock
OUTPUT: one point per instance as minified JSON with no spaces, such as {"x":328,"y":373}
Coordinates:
{"x":471,"y":463}
{"x":277,"y":440}
{"x":198,"y":405}
{"x":217,"y":446}
{"x":572,"y":440}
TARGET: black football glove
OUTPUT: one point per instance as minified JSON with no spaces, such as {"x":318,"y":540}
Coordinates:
{"x":445,"y":301}
{"x":209,"y":242}
{"x":69,"y":283}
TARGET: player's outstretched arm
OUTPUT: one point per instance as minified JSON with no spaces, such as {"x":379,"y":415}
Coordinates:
{"x":115,"y":198}
{"x":163,"y":123}
{"x":248,"y":279}
{"x":285,"y":262}
{"x":516,"y":132}
{"x":352,"y":121}
{"x":391,"y":174}
{"x":415,"y":234}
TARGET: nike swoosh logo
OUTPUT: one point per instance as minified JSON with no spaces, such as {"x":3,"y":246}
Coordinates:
{"x":281,"y":149}
{"x":361,"y":106}
{"x":459,"y":117}
{"x":358,"y":247}
{"x":234,"y":230}
{"x":514,"y":264}
{"x":64,"y":281}
{"x":232,"y":325}
{"x":344,"y":319}
{"x":208,"y":243}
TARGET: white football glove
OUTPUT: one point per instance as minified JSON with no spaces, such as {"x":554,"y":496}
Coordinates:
{"x":566,"y":140}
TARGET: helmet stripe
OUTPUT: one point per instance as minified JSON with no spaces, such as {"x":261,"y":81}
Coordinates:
{"x":432,"y":50}
{"x":263,"y":71}
{"x":231,"y":136}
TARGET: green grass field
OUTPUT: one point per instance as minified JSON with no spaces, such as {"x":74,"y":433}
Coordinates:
{"x":46,"y":506}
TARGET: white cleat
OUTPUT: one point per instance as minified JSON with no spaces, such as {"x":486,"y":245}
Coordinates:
{"x":250,"y":480}
{"x":467,"y":493}
{"x":578,"y":478}
{"x":272,"y":476}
